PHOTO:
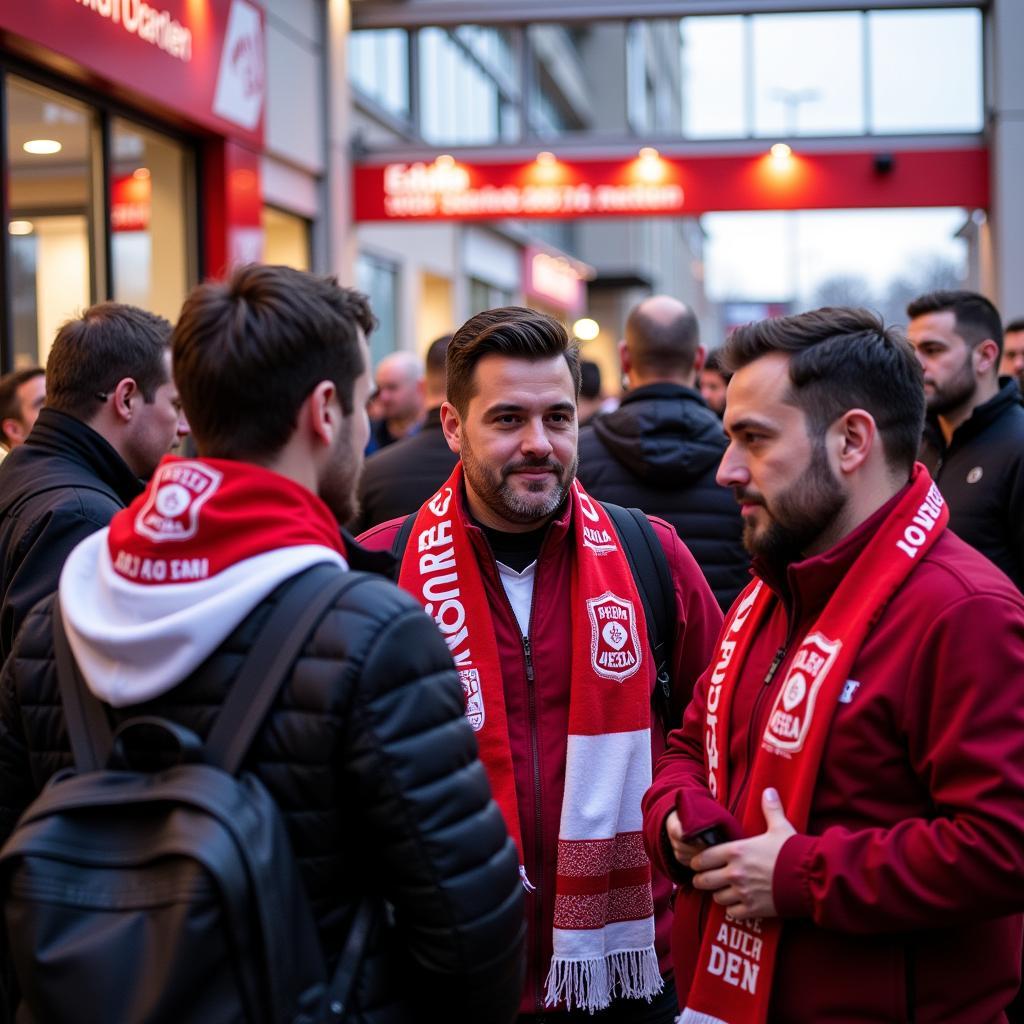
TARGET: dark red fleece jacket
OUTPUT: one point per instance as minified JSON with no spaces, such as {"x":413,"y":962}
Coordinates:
{"x":902,"y":900}
{"x":538,"y":713}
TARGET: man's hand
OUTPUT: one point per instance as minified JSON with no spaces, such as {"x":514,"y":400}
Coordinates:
{"x":740,"y":873}
{"x":683,"y":852}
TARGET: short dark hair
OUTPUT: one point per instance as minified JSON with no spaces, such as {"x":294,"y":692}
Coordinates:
{"x":1014,"y":325}
{"x":436,"y":360}
{"x":715,"y":365}
{"x":977,"y":319}
{"x":840,"y":359}
{"x":249,"y":350}
{"x":10,"y":404}
{"x":590,"y":379}
{"x":107,"y":343}
{"x":662,"y":347}
{"x":513,"y":331}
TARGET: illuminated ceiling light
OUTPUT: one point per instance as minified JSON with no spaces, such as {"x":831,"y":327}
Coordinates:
{"x":586,"y":329}
{"x":445,"y":160}
{"x":42,"y":147}
{"x":141,"y":173}
{"x":547,"y":159}
{"x":649,"y":153}
{"x":781,"y":152}
{"x":20,"y":227}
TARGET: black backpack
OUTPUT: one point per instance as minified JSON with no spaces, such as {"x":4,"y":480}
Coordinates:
{"x":647,"y":559}
{"x":137,"y":893}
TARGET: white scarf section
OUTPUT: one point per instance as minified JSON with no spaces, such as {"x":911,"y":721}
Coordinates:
{"x":135,"y":641}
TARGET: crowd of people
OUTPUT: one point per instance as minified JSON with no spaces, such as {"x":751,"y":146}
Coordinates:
{"x":706,"y":704}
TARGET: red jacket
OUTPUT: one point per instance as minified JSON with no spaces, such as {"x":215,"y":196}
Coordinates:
{"x":538,"y":715}
{"x":902,"y":899}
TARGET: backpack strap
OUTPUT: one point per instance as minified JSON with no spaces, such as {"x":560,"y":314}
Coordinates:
{"x":401,"y":541}
{"x":270,"y":660}
{"x":85,"y":717}
{"x":650,"y":570}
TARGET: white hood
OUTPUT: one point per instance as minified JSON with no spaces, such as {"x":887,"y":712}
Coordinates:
{"x":135,"y":641}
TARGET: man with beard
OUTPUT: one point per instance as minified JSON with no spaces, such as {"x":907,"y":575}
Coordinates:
{"x":1012,"y":364}
{"x":974,"y":436}
{"x":843,"y":804}
{"x":528,"y":582}
{"x":366,"y":741}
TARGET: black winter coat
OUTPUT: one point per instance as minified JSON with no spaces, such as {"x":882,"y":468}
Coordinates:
{"x":369,"y":757}
{"x":64,"y":483}
{"x":981,"y":476}
{"x":396,"y":480}
{"x":659,"y":451}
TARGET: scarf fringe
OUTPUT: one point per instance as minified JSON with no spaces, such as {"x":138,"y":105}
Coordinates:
{"x":590,"y":984}
{"x":689,"y":1016}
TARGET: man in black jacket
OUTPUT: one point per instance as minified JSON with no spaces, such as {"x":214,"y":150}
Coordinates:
{"x":111,"y":413}
{"x":397,"y":479}
{"x":366,"y":750}
{"x":974,"y":436}
{"x":661,"y":448}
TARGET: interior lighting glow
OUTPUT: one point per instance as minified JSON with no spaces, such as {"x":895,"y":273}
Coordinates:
{"x":42,"y":147}
{"x":547,"y":159}
{"x":649,"y":153}
{"x":781,"y":153}
{"x":445,"y":160}
{"x":650,"y":168}
{"x":586,"y":329}
{"x":141,"y":174}
{"x":20,"y":227}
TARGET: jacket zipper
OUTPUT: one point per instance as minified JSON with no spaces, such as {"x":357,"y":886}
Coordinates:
{"x":780,"y":657}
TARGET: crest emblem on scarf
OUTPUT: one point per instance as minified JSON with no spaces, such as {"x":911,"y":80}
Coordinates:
{"x":793,"y":710}
{"x":470,"y":679}
{"x":178,"y":491}
{"x":615,"y":650}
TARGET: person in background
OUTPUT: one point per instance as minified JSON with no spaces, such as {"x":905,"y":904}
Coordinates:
{"x":396,"y":480}
{"x":660,"y":449}
{"x":591,"y":395}
{"x":112,"y":412}
{"x":973,"y":443}
{"x":1012,"y":362}
{"x":400,"y":399}
{"x":22,"y":394}
{"x":714,"y":379}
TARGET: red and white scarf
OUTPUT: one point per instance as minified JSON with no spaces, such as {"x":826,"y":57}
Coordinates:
{"x":147,"y":600}
{"x":604,"y":913}
{"x":733,"y":981}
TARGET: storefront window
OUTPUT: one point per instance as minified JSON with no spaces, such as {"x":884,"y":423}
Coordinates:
{"x":285,"y":238}
{"x":149,"y":201}
{"x":379,"y":280}
{"x":51,"y":146}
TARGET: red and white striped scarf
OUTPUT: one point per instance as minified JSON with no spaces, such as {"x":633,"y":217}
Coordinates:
{"x":603,"y":933}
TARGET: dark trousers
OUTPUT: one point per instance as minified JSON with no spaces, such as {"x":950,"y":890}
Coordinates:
{"x":662,"y":1009}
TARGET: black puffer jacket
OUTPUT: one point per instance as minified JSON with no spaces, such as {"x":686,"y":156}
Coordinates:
{"x":659,"y":451}
{"x":62,"y":484}
{"x":981,"y":476}
{"x":370,"y":758}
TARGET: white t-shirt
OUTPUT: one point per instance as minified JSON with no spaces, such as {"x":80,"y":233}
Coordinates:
{"x":519,"y":588}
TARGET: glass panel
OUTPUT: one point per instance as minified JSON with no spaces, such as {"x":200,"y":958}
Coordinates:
{"x":378,"y":67}
{"x":378,"y":279}
{"x":149,"y":218}
{"x":285,"y":238}
{"x":50,"y":141}
{"x":808,"y":74}
{"x":926,"y":71}
{"x":714,"y":78}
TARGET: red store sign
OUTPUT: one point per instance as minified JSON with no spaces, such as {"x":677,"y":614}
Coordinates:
{"x":650,"y":185}
{"x":204,"y":60}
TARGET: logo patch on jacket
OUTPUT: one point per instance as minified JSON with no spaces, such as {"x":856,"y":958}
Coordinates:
{"x":614,"y":642}
{"x":178,"y":492}
{"x":793,"y":710}
{"x":470,"y":679}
